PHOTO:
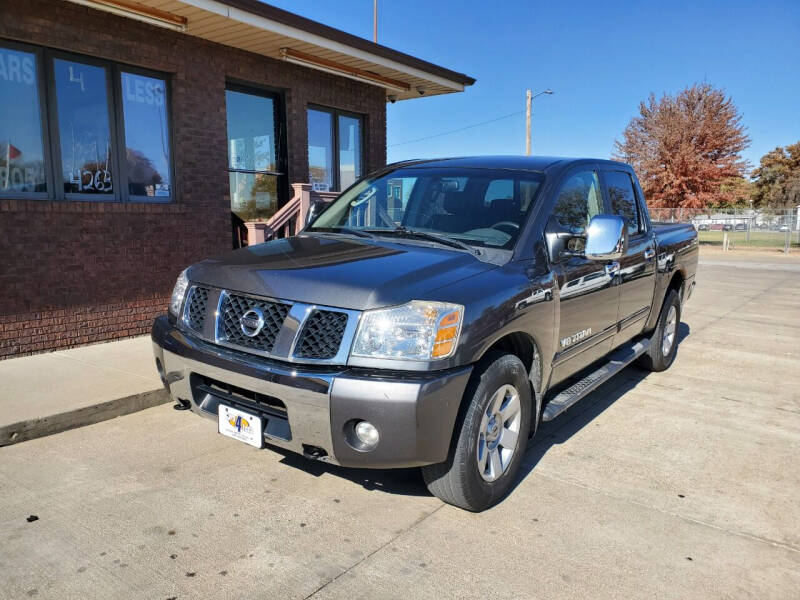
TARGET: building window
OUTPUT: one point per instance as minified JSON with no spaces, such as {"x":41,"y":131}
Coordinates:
{"x":108,"y":126}
{"x":84,"y":128}
{"x":334,"y":149}
{"x":22,"y":150}
{"x":147,"y":139}
{"x":254,"y":166}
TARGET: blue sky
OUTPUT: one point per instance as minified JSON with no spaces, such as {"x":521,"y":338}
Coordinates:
{"x":600,"y":62}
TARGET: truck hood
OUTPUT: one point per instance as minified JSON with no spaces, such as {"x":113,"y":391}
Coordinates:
{"x":336,"y":271}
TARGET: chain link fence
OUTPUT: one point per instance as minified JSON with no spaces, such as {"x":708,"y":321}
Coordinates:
{"x":748,"y":228}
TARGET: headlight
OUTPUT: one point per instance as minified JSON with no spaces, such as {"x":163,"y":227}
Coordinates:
{"x":178,"y":292}
{"x":414,"y":331}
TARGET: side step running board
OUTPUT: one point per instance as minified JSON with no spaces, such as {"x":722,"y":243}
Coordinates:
{"x":617,"y":361}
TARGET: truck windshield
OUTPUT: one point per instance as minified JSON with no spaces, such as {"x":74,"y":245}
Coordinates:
{"x":477,"y":207}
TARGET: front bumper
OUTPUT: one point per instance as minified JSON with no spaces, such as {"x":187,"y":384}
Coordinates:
{"x":414,"y":412}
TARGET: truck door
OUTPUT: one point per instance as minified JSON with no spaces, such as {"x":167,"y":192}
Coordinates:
{"x":588,"y":298}
{"x":636,"y":275}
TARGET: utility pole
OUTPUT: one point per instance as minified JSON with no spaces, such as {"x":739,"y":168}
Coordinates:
{"x":375,"y":21}
{"x":528,"y":104}
{"x":529,"y":96}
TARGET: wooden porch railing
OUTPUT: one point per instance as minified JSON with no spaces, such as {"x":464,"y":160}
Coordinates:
{"x":291,"y":217}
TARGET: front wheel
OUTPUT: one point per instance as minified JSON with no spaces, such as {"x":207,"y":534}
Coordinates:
{"x":664,"y":341}
{"x":490,"y":437}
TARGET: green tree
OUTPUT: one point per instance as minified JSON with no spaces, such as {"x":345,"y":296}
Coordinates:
{"x":776,"y":181}
{"x":686,"y":148}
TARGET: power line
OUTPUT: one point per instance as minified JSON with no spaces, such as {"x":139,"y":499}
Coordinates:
{"x":514,"y":114}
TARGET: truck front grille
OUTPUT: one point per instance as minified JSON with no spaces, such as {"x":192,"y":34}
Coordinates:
{"x":196,"y":305}
{"x":321,"y":335}
{"x":279,"y":329}
{"x":234,"y":306}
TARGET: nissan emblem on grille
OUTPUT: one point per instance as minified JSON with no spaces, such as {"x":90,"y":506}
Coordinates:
{"x":252,"y":322}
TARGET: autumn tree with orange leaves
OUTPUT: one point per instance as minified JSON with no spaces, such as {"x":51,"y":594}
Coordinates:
{"x":687,"y":148}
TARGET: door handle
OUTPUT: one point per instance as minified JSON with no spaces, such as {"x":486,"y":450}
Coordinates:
{"x":612,"y":269}
{"x":649,"y":254}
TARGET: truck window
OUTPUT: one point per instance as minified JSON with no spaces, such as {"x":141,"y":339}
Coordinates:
{"x":578,"y":201}
{"x":498,"y":189}
{"x":481,"y":207}
{"x":623,"y":199}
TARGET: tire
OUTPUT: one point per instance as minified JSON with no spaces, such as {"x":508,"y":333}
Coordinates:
{"x":659,"y":357}
{"x":458,"y":481}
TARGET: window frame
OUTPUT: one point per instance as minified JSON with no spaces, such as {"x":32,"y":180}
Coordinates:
{"x":48,"y":108}
{"x":41,"y":91}
{"x":335,"y":114}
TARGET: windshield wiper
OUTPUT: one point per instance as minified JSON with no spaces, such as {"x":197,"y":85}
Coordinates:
{"x":356,"y":232}
{"x":434,"y":237}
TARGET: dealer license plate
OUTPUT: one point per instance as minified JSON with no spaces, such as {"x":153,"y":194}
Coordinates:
{"x":241,"y":426}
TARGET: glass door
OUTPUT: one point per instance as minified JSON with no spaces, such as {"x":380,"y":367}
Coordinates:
{"x":256,"y":169}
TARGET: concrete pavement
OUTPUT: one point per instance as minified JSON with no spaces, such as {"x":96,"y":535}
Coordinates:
{"x":681,"y":484}
{"x":49,"y":393}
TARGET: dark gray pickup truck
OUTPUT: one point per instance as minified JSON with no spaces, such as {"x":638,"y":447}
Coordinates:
{"x":433,"y":315}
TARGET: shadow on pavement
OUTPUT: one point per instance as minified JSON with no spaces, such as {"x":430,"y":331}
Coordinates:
{"x":583,"y":413}
{"x":409,"y":482}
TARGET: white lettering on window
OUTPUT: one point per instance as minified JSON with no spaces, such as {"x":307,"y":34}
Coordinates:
{"x":16,"y":70}
{"x":143,"y":92}
{"x":85,"y":180}
{"x":74,"y":79}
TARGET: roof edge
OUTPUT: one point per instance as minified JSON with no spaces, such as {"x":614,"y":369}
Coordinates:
{"x":290,"y":19}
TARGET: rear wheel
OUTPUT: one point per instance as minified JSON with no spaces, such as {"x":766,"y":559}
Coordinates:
{"x":664,"y":341}
{"x":490,"y":437}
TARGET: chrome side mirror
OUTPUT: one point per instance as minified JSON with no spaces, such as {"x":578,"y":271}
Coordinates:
{"x":606,"y":238}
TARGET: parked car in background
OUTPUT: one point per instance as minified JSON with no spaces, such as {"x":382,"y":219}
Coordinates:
{"x":434,"y":327}
{"x":727,"y":227}
{"x":783,"y":228}
{"x":702,"y":227}
{"x":740,"y":227}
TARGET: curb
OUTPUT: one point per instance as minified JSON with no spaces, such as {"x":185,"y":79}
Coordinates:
{"x":88,"y":415}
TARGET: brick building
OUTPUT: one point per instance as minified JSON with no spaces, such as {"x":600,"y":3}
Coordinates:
{"x":138,"y":137}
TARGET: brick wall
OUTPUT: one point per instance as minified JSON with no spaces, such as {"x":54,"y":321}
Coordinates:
{"x":79,"y":272}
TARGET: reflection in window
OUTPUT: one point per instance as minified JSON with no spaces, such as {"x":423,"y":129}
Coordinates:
{"x":320,"y":150}
{"x":443,"y":200}
{"x":623,"y":199}
{"x":331,"y":170}
{"x":578,"y":201}
{"x":254,"y":196}
{"x":349,"y":151}
{"x":144,"y":105}
{"x":21,"y":148}
{"x":398,"y":191}
{"x":252,"y":157}
{"x":83,"y":127}
{"x":527,"y":191}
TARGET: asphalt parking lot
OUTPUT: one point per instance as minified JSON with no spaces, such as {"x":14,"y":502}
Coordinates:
{"x":682,"y":484}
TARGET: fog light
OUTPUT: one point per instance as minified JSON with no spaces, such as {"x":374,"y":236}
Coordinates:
{"x":367,"y":434}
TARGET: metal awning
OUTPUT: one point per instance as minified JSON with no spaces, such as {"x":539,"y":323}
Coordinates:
{"x":263,"y":29}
